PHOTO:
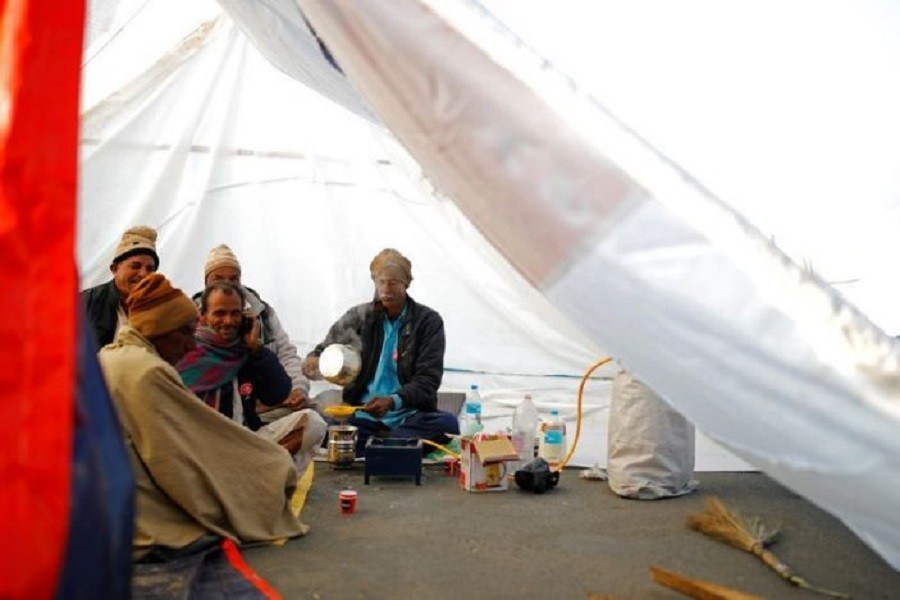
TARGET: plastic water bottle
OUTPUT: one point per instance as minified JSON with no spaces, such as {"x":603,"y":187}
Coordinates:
{"x":552,"y":446}
{"x":524,"y":424}
{"x":470,"y":422}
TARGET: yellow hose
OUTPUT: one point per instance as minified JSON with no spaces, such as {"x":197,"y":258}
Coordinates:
{"x":584,"y":379}
{"x":444,"y":448}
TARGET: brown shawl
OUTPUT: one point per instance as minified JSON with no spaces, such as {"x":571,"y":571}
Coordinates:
{"x":197,"y":472}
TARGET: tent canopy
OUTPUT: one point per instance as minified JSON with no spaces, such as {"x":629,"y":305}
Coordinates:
{"x":697,"y":192}
{"x":212,"y":144}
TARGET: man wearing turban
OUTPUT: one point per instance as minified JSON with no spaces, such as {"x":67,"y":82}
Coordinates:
{"x":401,"y":344}
{"x":185,"y":455}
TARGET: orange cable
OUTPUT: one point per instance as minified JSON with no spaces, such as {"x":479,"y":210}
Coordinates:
{"x":584,"y":379}
{"x":439,"y":447}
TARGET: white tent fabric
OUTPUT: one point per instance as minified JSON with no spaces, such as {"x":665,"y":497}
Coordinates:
{"x":202,"y":138}
{"x":785,"y":110}
{"x":759,"y":353}
{"x":188,"y":129}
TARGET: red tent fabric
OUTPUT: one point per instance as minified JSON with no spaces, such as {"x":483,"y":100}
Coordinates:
{"x":40,"y":55}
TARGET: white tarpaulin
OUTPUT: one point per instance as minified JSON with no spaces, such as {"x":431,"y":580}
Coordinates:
{"x":201,"y":138}
{"x":761,"y":354}
{"x":205,"y":140}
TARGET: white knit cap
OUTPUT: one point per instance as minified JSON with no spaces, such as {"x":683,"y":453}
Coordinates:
{"x":220,"y":256}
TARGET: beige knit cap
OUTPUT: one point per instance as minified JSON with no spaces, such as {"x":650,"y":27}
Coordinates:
{"x":220,"y":256}
{"x":156,"y":308}
{"x":393,"y":260}
{"x":139,"y":239}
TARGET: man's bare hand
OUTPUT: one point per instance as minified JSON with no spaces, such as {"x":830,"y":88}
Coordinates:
{"x":292,"y":441}
{"x":379,"y":406}
{"x":295,"y":400}
{"x":311,"y":367}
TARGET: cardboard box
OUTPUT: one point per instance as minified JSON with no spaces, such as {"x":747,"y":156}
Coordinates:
{"x":484,"y":463}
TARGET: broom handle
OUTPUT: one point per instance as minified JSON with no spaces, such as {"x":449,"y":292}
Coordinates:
{"x":785,"y":571}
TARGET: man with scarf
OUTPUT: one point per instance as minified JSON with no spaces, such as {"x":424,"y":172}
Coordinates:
{"x":401,"y":343}
{"x":223,"y":265}
{"x":184,"y":455}
{"x":231,"y":370}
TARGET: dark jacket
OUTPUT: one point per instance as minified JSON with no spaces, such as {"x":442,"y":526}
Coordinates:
{"x":271,"y":385}
{"x":101,"y":303}
{"x":420,"y":351}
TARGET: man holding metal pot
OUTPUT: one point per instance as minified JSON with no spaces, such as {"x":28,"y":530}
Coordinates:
{"x":401,"y":344}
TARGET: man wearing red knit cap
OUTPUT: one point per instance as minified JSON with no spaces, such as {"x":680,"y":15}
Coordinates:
{"x":184,"y":455}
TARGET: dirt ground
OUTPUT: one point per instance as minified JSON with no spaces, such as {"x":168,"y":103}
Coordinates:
{"x":438,"y":541}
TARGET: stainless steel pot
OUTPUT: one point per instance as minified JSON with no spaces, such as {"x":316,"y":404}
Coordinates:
{"x":342,"y":446}
{"x":340,"y":364}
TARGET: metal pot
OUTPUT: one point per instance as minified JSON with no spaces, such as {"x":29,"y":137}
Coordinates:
{"x":340,"y":364}
{"x":342,"y":445}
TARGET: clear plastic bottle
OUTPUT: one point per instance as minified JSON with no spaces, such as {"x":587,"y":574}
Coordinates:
{"x":524,"y":423}
{"x":552,"y":446}
{"x":470,"y":422}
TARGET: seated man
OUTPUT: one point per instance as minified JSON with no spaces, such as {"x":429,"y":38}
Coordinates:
{"x":134,"y":258}
{"x":401,"y":343}
{"x":223,"y":265}
{"x":231,"y":371}
{"x":185,"y":456}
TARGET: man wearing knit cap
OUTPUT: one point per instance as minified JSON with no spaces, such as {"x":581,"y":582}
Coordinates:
{"x":134,"y":257}
{"x":185,"y":455}
{"x":401,"y":343}
{"x":222,"y":266}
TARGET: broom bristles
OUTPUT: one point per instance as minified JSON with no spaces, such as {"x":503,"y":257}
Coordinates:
{"x":698,"y":588}
{"x":730,"y":527}
{"x":751,"y":536}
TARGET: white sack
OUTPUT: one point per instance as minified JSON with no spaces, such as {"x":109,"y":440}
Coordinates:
{"x":650,"y":446}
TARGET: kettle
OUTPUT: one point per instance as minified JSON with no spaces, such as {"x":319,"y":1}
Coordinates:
{"x":340,"y":364}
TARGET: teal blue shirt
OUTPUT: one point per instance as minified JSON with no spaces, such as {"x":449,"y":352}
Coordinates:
{"x":386,"y":382}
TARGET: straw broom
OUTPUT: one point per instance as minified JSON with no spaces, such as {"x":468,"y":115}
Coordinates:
{"x":750,"y":536}
{"x":697,"y":588}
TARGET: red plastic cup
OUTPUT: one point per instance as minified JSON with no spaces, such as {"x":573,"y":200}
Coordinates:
{"x":347,"y":501}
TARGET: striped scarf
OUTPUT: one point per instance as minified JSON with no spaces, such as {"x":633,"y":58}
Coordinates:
{"x":212,"y":363}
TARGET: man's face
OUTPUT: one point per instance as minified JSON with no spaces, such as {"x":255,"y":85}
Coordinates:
{"x":224,"y":313}
{"x":174,"y":345}
{"x":391,"y":290}
{"x":226,"y":274}
{"x":127,"y":273}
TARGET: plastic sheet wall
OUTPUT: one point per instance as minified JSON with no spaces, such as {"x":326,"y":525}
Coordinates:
{"x":759,"y":353}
